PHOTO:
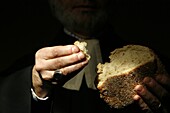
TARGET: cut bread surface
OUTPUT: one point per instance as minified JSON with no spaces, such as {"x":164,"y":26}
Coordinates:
{"x":123,"y":60}
{"x":127,"y":68}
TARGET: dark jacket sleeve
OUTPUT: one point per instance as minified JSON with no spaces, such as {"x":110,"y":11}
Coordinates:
{"x":15,"y":94}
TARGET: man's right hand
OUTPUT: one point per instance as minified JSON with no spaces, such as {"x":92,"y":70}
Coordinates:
{"x":67,"y":58}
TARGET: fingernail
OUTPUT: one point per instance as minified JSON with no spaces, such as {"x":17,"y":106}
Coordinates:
{"x":81,"y":55}
{"x":138,"y":88}
{"x":75,"y":49}
{"x":136,"y":97}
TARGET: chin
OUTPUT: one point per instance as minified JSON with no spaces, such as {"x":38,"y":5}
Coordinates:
{"x":91,"y":22}
{"x":84,"y":22}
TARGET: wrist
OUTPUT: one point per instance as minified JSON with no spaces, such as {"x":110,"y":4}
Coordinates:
{"x":38,"y":85}
{"x":36,"y":97}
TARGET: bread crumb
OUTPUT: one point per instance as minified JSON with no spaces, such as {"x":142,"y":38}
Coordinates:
{"x":82,"y":47}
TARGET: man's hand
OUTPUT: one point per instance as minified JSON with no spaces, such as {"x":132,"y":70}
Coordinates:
{"x":67,"y":58}
{"x":155,"y":94}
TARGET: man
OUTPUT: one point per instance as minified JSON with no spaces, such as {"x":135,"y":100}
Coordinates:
{"x":35,"y":88}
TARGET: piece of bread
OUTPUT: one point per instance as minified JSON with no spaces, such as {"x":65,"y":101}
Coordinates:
{"x":127,"y":67}
{"x":82,"y":47}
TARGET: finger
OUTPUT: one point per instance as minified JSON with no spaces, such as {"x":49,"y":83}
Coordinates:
{"x":152,"y":102}
{"x":48,"y":75}
{"x":141,"y":103}
{"x":56,"y":51}
{"x":156,"y":88}
{"x":69,"y":69}
{"x":164,"y":79}
{"x":57,"y":63}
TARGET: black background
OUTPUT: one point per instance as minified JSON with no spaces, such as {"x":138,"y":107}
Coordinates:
{"x":28,"y":24}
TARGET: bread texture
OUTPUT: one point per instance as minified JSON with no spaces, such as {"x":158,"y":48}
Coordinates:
{"x":82,"y":47}
{"x":127,"y":68}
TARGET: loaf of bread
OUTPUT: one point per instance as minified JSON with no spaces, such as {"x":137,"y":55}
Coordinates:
{"x":82,"y":47}
{"x":127,"y":67}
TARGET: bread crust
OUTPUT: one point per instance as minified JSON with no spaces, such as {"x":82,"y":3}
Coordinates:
{"x":118,"y":90}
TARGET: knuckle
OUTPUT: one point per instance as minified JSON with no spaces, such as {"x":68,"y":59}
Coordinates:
{"x":58,"y":64}
{"x":38,"y":67}
{"x":46,"y":75}
{"x":54,"y":52}
{"x":63,"y":71}
{"x":37,"y":54}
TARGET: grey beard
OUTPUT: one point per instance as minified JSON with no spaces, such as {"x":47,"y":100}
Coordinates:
{"x":88,"y":26}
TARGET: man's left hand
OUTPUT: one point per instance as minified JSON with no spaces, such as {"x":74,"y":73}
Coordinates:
{"x":155,"y":94}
